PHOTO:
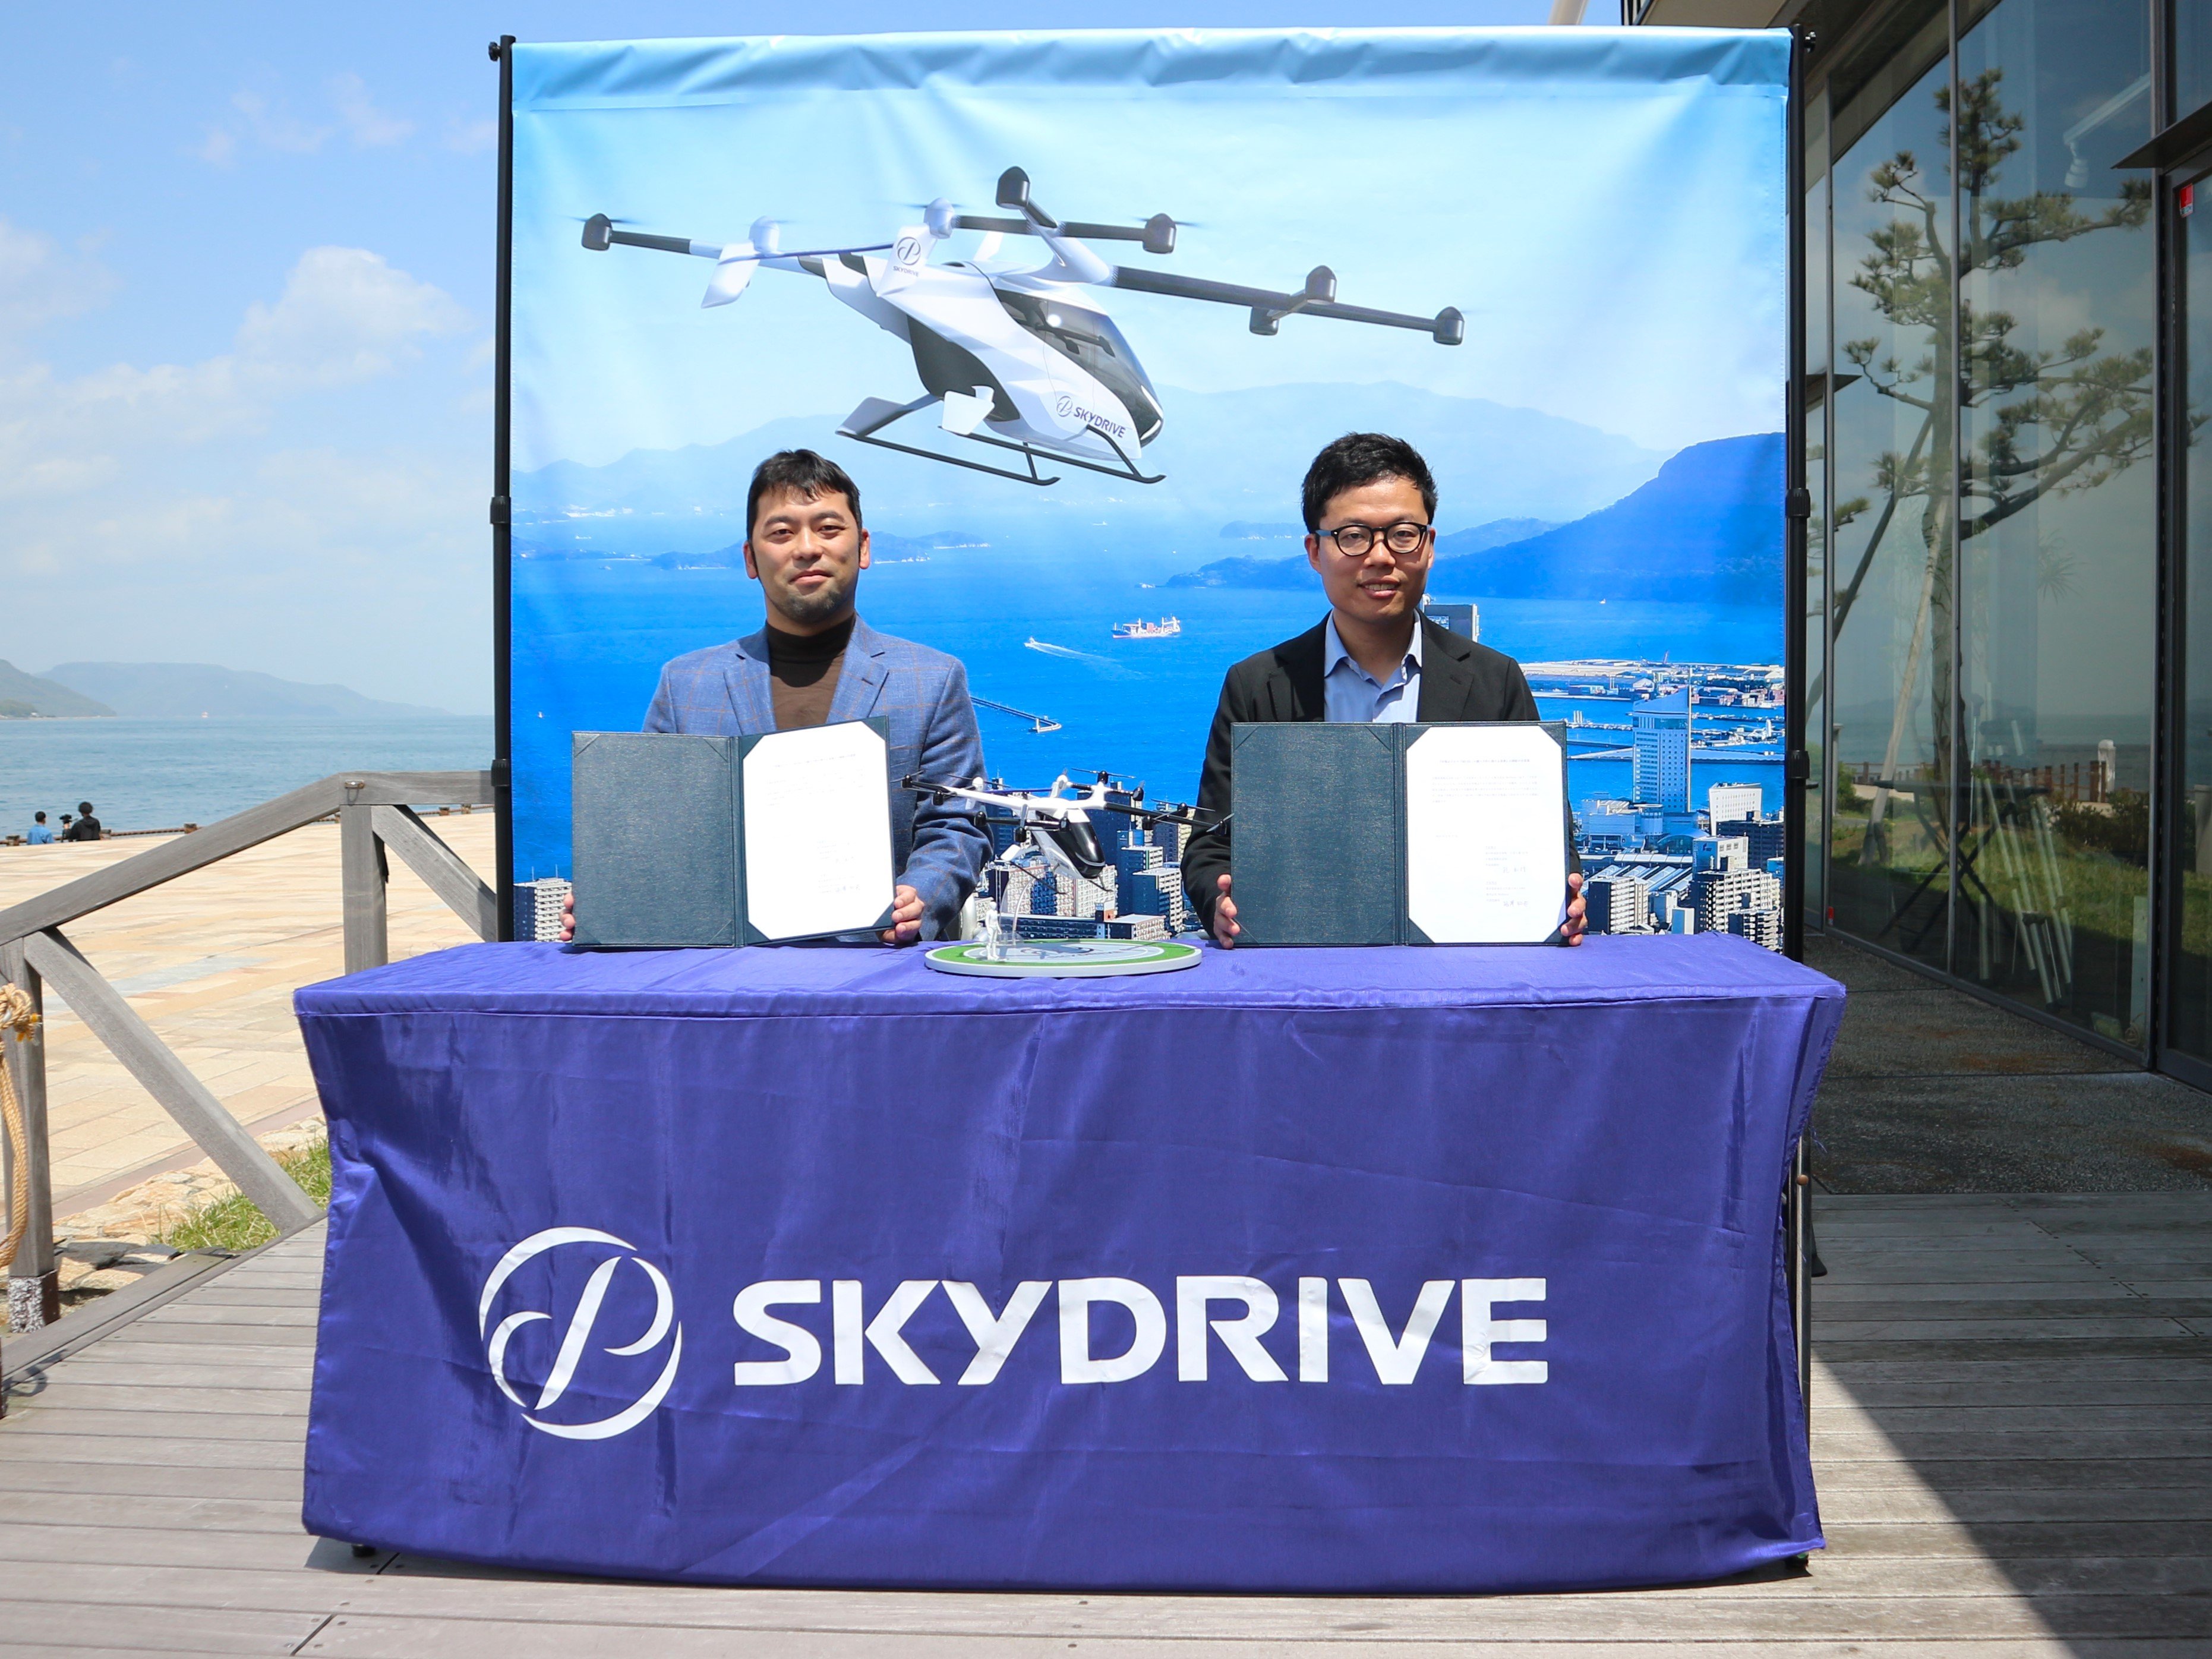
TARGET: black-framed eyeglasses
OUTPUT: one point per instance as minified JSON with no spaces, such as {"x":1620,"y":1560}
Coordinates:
{"x":1403,"y":539}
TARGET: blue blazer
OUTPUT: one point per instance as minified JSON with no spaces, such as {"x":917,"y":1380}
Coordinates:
{"x":939,"y":851}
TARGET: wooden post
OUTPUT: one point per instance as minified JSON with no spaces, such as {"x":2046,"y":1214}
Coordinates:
{"x":34,"y":1292}
{"x":361,"y":857}
{"x":402,"y":830}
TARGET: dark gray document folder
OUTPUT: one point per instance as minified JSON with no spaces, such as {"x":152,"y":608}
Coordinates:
{"x":1350,"y":834}
{"x":1314,"y":842}
{"x":659,"y":838}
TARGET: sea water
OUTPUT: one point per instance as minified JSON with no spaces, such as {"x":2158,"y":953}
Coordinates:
{"x":162,"y":774}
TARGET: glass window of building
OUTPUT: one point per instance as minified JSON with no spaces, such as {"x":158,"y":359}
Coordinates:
{"x":2192,"y":55}
{"x":1891,"y":451}
{"x":2057,"y":515}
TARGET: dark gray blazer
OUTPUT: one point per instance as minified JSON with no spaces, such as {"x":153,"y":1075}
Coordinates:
{"x":1459,"y":681}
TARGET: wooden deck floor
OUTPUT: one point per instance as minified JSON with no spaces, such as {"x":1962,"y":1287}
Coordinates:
{"x":2011,"y":1426}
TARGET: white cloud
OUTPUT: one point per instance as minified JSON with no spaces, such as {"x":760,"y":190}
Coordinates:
{"x":257,"y":118}
{"x":40,"y":283}
{"x":471,"y":138}
{"x":227,"y":502}
{"x":275,"y":127}
{"x":369,"y":127}
{"x":344,"y":317}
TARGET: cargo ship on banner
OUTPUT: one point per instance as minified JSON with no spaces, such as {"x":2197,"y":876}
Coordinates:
{"x":1165,"y":629}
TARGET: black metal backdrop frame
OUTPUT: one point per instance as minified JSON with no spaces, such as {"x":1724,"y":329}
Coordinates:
{"x":503,"y":537}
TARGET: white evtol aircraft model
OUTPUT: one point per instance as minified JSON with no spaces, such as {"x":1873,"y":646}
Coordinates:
{"x":1017,"y":357}
{"x":1058,"y":825}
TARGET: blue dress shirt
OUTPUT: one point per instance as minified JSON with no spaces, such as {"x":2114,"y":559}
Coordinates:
{"x":1349,"y":692}
{"x":42,"y":834}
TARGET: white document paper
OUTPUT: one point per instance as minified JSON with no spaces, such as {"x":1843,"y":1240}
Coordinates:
{"x":1486,"y":840}
{"x":818,"y":831}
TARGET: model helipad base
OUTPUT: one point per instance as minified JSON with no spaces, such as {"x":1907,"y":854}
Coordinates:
{"x":1065,"y":958}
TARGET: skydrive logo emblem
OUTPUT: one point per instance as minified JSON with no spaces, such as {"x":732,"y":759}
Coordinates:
{"x":575,"y":1346}
{"x":1069,"y":410}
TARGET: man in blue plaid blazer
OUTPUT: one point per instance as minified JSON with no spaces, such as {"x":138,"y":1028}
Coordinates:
{"x":816,"y":661}
{"x":938,"y":850}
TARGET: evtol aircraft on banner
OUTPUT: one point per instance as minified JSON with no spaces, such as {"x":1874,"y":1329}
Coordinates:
{"x":1016,"y":356}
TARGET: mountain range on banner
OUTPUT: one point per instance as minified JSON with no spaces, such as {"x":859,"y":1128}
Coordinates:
{"x":1228,"y":456}
{"x":1708,"y":528}
{"x":1548,"y":508}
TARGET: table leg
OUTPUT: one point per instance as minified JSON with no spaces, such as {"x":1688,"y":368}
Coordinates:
{"x":1798,"y":1226}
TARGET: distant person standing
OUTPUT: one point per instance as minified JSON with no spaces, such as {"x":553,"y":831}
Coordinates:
{"x":42,"y":834}
{"x":87,"y":827}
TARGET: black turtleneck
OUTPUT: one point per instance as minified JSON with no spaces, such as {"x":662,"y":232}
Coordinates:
{"x":802,"y":673}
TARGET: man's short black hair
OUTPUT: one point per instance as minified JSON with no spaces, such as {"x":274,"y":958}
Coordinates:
{"x":38,"y":817}
{"x":800,"y":472}
{"x":84,"y":806}
{"x":1364,"y":457}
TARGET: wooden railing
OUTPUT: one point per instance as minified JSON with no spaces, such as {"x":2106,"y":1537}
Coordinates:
{"x":375,"y":814}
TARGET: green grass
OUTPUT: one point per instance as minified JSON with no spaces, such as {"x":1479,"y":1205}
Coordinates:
{"x":234,"y":1223}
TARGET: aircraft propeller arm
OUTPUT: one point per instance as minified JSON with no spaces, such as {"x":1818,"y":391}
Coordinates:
{"x":600,"y":234}
{"x":1269,"y":308}
{"x":1157,"y":233}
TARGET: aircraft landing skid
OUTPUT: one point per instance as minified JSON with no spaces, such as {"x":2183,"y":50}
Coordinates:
{"x":864,"y":432}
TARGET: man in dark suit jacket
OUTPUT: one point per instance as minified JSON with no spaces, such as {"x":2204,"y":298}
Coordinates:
{"x":1369,"y":506}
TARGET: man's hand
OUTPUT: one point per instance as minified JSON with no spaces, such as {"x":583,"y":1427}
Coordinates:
{"x":1570,"y":930}
{"x":1225,"y":918}
{"x":568,"y":920}
{"x":905,"y":916}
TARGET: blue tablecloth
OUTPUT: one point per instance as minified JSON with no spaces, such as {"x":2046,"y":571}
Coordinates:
{"x":1423,"y":1269}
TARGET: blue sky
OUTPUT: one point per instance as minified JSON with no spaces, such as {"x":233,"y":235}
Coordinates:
{"x":245,"y":313}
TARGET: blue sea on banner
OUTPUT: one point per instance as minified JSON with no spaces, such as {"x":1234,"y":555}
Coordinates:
{"x":1035,"y":635}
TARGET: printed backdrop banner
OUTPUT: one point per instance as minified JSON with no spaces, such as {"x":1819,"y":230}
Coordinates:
{"x":1077,"y":310}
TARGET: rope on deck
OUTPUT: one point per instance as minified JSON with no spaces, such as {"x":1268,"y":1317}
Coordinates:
{"x":16,"y":1016}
